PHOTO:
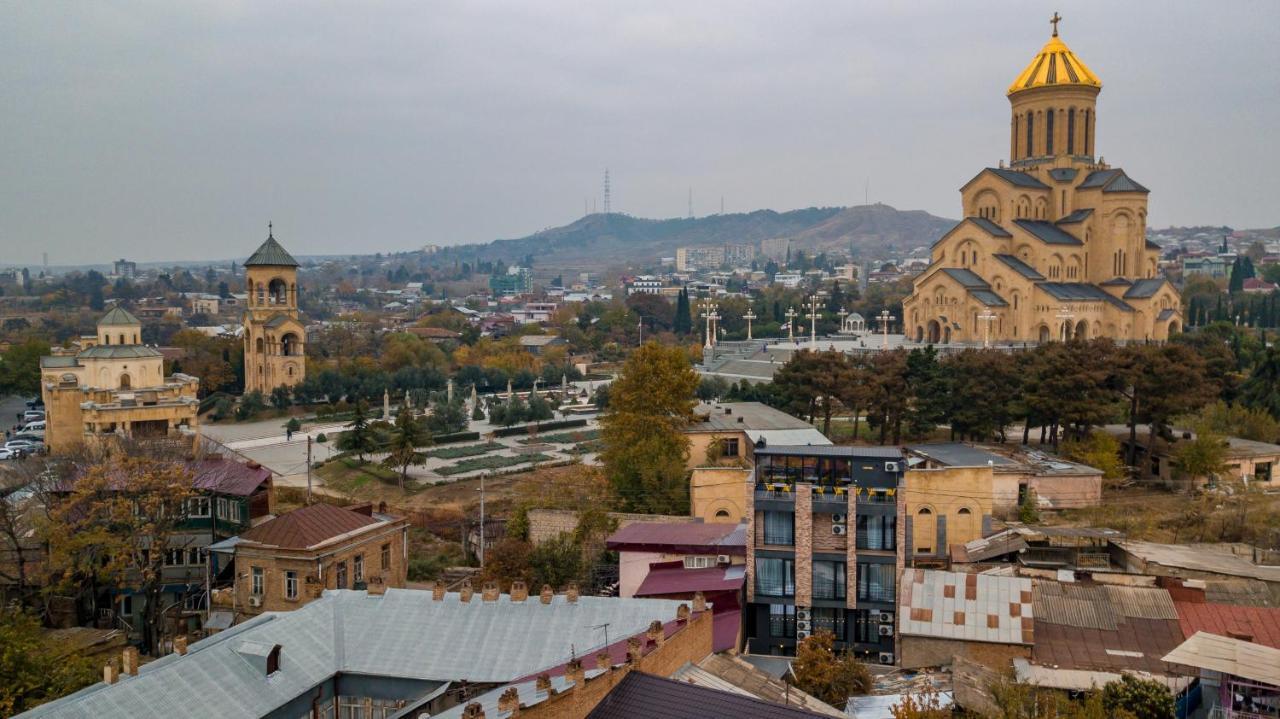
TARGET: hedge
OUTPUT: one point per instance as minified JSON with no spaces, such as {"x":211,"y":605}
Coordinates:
{"x":542,"y":427}
{"x":491,"y":462}
{"x":563,"y":437}
{"x":469,"y":450}
{"x":455,"y":437}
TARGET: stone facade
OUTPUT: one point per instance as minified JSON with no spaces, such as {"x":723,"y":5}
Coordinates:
{"x":274,"y":338}
{"x":719,"y":494}
{"x":947,"y":506}
{"x":804,"y":544}
{"x":1053,"y":246}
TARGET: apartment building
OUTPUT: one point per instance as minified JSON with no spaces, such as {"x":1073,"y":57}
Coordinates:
{"x":823,"y":548}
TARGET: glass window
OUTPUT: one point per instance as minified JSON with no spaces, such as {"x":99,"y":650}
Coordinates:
{"x":828,"y":580}
{"x":257,"y":581}
{"x":864,"y":629}
{"x":782,"y":620}
{"x":126,"y":605}
{"x":290,"y":584}
{"x":779,"y":528}
{"x":875,"y":582}
{"x":828,"y":619}
{"x":174,"y":558}
{"x":195,"y":556}
{"x":222,"y":508}
{"x":877,"y":531}
{"x":342,"y":575}
{"x":386,"y":557}
{"x":198,"y":507}
{"x":775,"y":577}
{"x":233,"y":510}
{"x":729,"y":447}
{"x":358,"y":567}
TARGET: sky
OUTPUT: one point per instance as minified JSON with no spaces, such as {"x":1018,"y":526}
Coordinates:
{"x":177,"y":130}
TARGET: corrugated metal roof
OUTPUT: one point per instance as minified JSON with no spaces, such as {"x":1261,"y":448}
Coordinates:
{"x":965,"y":607}
{"x":1142,"y":602}
{"x":644,"y":695}
{"x":308,"y":526}
{"x":1229,"y":656}
{"x":1260,"y":625}
{"x":1072,"y":612}
{"x":673,"y":578}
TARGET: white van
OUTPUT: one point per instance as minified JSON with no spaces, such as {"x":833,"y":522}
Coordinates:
{"x":37,"y":426}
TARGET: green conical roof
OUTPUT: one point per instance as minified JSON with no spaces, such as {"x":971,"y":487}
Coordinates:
{"x":271,"y":253}
{"x":119,"y":316}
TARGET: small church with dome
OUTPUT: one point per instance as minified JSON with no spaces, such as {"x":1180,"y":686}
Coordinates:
{"x":1052,"y":245}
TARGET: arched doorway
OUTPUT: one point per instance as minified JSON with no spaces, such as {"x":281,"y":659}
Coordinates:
{"x":935,"y":332}
{"x":125,"y":381}
{"x":1174,"y":328}
{"x":1044,"y":333}
{"x":1082,"y":330}
{"x":289,"y":344}
{"x":946,"y":335}
{"x":919,"y":333}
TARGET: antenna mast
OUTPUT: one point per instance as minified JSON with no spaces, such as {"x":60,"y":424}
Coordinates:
{"x":691,"y":202}
{"x":607,"y":207}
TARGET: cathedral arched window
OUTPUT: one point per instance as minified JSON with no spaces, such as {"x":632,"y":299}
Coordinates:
{"x":1031,"y":124}
{"x":1088,"y":148}
{"x":1048,"y":132}
{"x":1071,"y":131}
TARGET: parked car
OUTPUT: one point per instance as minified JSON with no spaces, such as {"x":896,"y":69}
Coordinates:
{"x":7,"y":454}
{"x":33,"y":415}
{"x":33,"y":426}
{"x":35,"y":403}
{"x":24,"y":446}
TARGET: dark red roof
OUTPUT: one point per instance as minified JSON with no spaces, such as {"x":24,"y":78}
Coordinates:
{"x":1259,"y":625}
{"x":681,"y":537}
{"x":1135,"y":644}
{"x":672,"y":578}
{"x":308,"y":526}
{"x":644,"y":695}
{"x":225,"y":476}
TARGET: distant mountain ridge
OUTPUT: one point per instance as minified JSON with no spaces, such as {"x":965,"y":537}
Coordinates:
{"x":872,"y":231}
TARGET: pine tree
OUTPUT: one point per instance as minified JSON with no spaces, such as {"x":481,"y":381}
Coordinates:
{"x":683,"y":323}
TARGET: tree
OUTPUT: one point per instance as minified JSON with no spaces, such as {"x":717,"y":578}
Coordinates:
{"x":250,"y":405}
{"x":35,"y":669}
{"x":1099,"y":450}
{"x":924,"y":706}
{"x":538,"y":409}
{"x":1262,"y":389}
{"x":1237,"y":420}
{"x":359,"y":436}
{"x":114,"y":530}
{"x":1203,"y":456}
{"x":1141,"y":698}
{"x":556,"y":561}
{"x":682,"y":323}
{"x":446,"y":417}
{"x":830,"y":676}
{"x":405,"y":440}
{"x":1163,"y":382}
{"x":645,"y":453}
{"x":20,"y":367}
{"x":281,"y":398}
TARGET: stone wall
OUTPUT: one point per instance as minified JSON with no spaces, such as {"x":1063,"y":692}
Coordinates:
{"x":919,"y":652}
{"x":545,"y":524}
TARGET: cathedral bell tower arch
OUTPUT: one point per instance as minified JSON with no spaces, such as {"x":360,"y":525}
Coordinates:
{"x":274,"y":338}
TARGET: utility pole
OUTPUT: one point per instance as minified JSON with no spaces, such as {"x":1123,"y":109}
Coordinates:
{"x":640,"y":324}
{"x":482,"y":521}
{"x":308,"y":469}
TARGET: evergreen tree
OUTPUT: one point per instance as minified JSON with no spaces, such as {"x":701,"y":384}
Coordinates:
{"x":683,"y":323}
{"x":359,"y":435}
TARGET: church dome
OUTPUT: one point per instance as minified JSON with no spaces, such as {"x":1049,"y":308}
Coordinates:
{"x":1053,"y":66}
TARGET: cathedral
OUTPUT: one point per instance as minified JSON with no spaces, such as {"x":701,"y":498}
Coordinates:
{"x":1052,"y":246}
{"x":274,"y":338}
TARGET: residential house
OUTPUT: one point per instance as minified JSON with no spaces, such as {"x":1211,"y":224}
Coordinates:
{"x":288,"y":561}
{"x":823,"y":547}
{"x":538,"y":344}
{"x":1257,"y":286}
{"x":946,"y":506}
{"x":1246,"y":460}
{"x":1056,"y":483}
{"x":1239,"y":679}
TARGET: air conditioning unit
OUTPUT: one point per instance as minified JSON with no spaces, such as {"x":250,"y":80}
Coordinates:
{"x":803,"y":615}
{"x":886,"y":630}
{"x":885,"y":618}
{"x":255,"y":601}
{"x":838,"y":519}
{"x":839,"y":530}
{"x":891,"y":466}
{"x":802,"y":626}
{"x":802,"y":634}
{"x":722,"y":559}
{"x":886,"y":657}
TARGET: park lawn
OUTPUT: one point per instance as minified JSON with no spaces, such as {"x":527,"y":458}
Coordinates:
{"x":584,"y":435}
{"x":469,"y":450}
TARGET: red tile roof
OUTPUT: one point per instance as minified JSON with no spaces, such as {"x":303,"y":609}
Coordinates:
{"x":687,"y":537}
{"x":1259,"y":625}
{"x":307,"y":527}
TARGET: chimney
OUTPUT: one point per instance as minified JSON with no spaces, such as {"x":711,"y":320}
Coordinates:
{"x":437,"y":590}
{"x":382,"y":507}
{"x":543,"y":683}
{"x":129,"y":661}
{"x":571,"y":593}
{"x":466,"y":591}
{"x":573,"y":672}
{"x":110,"y":673}
{"x":519,"y":591}
{"x":546,"y":595}
{"x":655,"y":633}
{"x":604,"y":660}
{"x":509,"y":702}
{"x":699,"y":602}
{"x":682,"y":613}
{"x":489,"y":591}
{"x":180,"y":645}
{"x":473,"y":711}
{"x":635,"y":650}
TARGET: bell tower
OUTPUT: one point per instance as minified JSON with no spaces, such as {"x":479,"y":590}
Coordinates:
{"x":274,"y":338}
{"x":1054,"y":106}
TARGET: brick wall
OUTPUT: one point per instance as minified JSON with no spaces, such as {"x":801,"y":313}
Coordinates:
{"x":824,"y":540}
{"x":851,"y":554}
{"x":804,"y":544}
{"x":751,"y":544}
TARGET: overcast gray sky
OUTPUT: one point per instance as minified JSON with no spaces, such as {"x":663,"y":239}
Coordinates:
{"x":176,"y":130}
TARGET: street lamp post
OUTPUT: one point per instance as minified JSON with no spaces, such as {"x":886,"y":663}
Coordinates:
{"x":709,"y":312}
{"x":843,"y":314}
{"x":987,"y":318}
{"x":885,"y":318}
{"x":791,"y":324}
{"x":1065,"y":315}
{"x":813,"y":316}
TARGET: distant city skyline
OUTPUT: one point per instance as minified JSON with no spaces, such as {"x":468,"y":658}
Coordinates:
{"x":175,"y":132}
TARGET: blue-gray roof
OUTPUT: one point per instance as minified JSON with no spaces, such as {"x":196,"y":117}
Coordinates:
{"x":1020,"y":179}
{"x":271,"y":254}
{"x":1154,"y":246}
{"x":966,"y":278}
{"x":989,"y":227}
{"x":1164,"y":315}
{"x":1116,"y":282}
{"x":403,"y":634}
{"x":1063,"y":174}
{"x":119,"y":352}
{"x":1113,"y":180}
{"x":1020,"y":267}
{"x":1082,"y":292}
{"x":832,"y":451}
{"x":118,"y":316}
{"x":988,"y":298}
{"x":1048,"y":233}
{"x":1143,"y":289}
{"x":957,"y":454}
{"x":1077,"y":216}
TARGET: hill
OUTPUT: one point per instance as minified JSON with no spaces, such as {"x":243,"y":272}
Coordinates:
{"x":869,"y":230}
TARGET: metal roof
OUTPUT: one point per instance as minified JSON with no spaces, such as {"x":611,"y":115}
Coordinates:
{"x":710,"y":538}
{"x":990,"y":227}
{"x":1082,"y":292}
{"x":1260,"y":625}
{"x":1048,"y":233}
{"x":1229,"y":656}
{"x":119,"y":352}
{"x":645,"y":695}
{"x":403,"y":634}
{"x":988,"y":298}
{"x":1076,"y":216}
{"x":1020,"y":179}
{"x":672,"y":578}
{"x":1211,"y":558}
{"x":1145,"y":288}
{"x":1064,"y":174}
{"x":308,"y":527}
{"x":270,"y":253}
{"x":854,"y":452}
{"x":958,"y":454}
{"x":118,"y":316}
{"x":1104,"y":628}
{"x":741,"y":416}
{"x":1113,"y":180}
{"x":1020,"y":267}
{"x":965,"y":607}
{"x":966,"y":278}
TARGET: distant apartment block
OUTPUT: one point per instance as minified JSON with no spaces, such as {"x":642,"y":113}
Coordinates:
{"x":689,"y":259}
{"x":644,"y":285}
{"x":518,"y":280}
{"x":775,"y":249}
{"x":125,"y":268}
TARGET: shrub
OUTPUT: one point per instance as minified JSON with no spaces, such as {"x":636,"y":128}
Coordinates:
{"x":322,"y":438}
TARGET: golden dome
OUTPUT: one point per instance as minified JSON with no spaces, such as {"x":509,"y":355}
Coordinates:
{"x":1055,"y":65}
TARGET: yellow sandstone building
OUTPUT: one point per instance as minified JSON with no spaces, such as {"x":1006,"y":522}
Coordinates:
{"x":114,"y":386}
{"x":274,"y":338}
{"x":1053,"y":246}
